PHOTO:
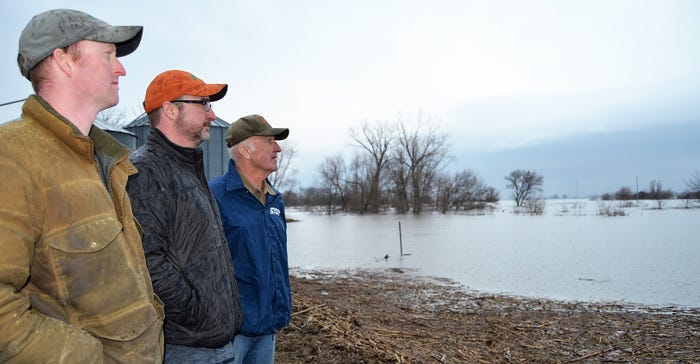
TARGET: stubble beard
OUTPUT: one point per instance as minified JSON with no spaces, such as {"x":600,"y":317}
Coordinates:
{"x":204,"y":134}
{"x":198,"y":137}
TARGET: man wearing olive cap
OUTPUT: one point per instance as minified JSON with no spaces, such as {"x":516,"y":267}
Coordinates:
{"x":252,"y":212}
{"x":74,"y":285}
{"x":184,"y":241}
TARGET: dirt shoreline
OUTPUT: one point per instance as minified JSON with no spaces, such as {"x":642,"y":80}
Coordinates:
{"x":391,"y":316}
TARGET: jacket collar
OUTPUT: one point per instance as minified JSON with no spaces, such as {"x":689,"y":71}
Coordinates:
{"x":233,"y":178}
{"x":43,"y":113}
{"x":182,"y":154}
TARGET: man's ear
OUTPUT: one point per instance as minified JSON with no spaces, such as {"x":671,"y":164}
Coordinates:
{"x":170,"y":110}
{"x":244,"y":151}
{"x":63,"y":61}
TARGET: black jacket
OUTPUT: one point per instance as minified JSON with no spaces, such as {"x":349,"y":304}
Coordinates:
{"x":184,"y":243}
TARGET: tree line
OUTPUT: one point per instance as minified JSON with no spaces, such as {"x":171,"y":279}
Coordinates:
{"x":401,"y":166}
{"x":657,"y":193}
{"x":398,"y":166}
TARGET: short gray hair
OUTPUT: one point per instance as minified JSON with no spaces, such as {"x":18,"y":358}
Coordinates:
{"x":235,"y":154}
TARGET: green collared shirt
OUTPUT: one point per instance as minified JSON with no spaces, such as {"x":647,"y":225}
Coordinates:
{"x":260,"y":195}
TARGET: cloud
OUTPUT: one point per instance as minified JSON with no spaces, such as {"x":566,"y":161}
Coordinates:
{"x":515,"y":121}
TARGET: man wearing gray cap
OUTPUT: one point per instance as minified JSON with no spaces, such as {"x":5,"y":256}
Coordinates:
{"x":74,"y":286}
{"x":252,"y":212}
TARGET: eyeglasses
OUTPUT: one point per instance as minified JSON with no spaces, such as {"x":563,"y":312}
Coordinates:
{"x":206,"y":104}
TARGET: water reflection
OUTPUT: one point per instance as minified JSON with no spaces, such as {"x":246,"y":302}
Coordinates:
{"x":648,"y":256}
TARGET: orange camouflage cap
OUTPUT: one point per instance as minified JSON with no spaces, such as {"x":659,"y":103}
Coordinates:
{"x":170,"y":85}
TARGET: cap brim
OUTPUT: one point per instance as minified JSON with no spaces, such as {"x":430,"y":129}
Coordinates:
{"x":127,"y":47}
{"x":125,"y":38}
{"x":214,"y":91}
{"x":278,"y":133}
{"x":220,"y":94}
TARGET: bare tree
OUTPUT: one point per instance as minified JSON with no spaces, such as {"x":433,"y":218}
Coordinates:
{"x":656,"y":192}
{"x":398,"y":177}
{"x":424,"y":152}
{"x":358,"y":182}
{"x":113,"y":116}
{"x":692,"y":193}
{"x":332,"y":178}
{"x":376,"y":141}
{"x":285,"y":177}
{"x":120,"y":115}
{"x":693,"y":184}
{"x":624,"y":194}
{"x":456,"y":192}
{"x":535,"y":205}
{"x":444,"y":189}
{"x":463,"y":191}
{"x":525,"y":184}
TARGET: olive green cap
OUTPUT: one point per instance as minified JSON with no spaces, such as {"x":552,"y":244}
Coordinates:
{"x":252,"y":125}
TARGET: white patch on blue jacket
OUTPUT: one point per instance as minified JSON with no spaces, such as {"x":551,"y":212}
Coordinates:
{"x":274,"y":211}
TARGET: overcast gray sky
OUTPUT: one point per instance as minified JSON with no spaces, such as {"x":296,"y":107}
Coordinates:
{"x":500,"y":76}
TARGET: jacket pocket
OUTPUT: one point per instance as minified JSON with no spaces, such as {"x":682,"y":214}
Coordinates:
{"x":85,"y":237}
{"x":101,"y":282}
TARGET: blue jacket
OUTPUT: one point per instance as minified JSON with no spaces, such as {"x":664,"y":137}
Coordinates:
{"x":257,"y":238}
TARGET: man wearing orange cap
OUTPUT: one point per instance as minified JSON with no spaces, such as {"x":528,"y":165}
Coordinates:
{"x":183,"y":238}
{"x":74,"y":286}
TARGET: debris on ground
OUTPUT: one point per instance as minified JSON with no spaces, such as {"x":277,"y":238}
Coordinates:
{"x":393,"y":316}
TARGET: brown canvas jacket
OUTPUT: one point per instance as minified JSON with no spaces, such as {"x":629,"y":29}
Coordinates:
{"x":74,"y":286}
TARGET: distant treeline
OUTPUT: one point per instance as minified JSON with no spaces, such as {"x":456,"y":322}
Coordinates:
{"x":400,"y":167}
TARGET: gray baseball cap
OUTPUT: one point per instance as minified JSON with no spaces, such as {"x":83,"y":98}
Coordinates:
{"x":60,"y":28}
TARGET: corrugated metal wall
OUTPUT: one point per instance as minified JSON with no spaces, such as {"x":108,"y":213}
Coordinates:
{"x":216,"y":155}
{"x":215,"y":152}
